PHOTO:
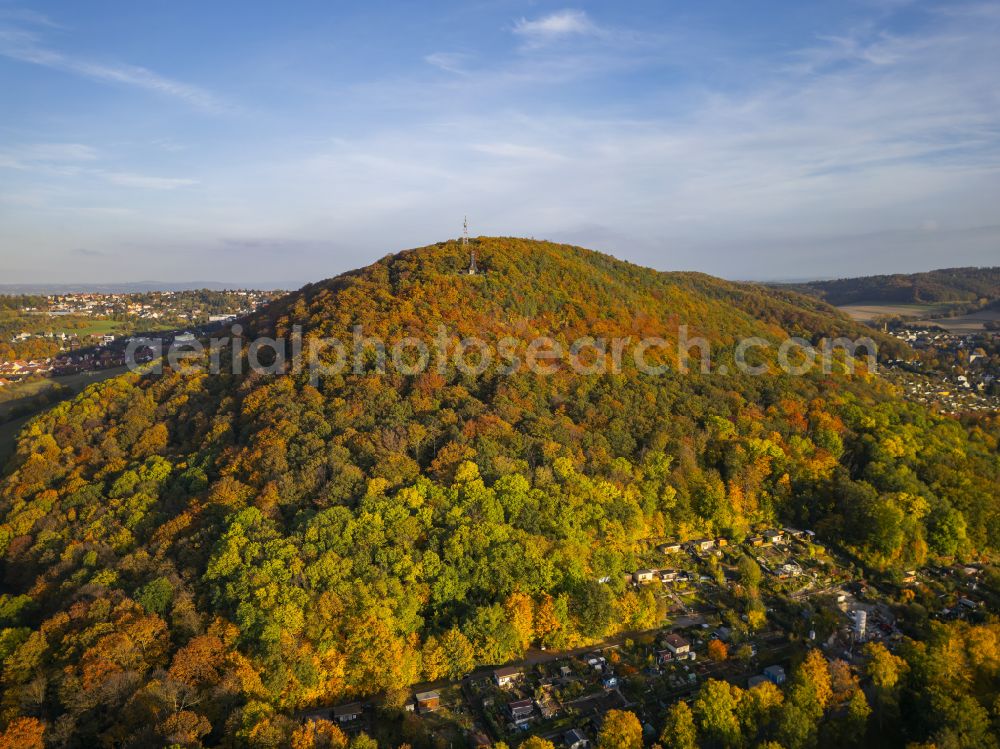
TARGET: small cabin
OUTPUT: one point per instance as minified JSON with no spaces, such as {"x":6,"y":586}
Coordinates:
{"x":347,"y":713}
{"x":427,"y":702}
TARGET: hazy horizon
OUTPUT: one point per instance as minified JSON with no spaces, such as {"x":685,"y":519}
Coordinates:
{"x":151,"y":285}
{"x":254,"y":147}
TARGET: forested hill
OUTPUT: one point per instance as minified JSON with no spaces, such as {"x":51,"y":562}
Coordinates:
{"x":559,"y":290}
{"x":194,"y":558}
{"x":969,"y":285}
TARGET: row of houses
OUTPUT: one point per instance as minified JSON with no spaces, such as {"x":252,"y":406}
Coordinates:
{"x":644,"y":576}
{"x":767,"y":537}
{"x":24,"y":368}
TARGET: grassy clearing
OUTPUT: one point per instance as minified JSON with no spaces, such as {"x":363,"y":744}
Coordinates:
{"x":93,"y":327}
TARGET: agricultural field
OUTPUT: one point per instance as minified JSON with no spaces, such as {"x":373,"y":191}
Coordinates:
{"x":922,"y":314}
{"x":867,"y":313}
{"x":965,"y":324}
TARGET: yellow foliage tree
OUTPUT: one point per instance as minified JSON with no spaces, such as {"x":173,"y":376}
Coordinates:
{"x":519,"y":608}
{"x":621,"y":730}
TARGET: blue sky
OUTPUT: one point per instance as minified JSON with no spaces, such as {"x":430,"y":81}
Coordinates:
{"x":270,"y":144}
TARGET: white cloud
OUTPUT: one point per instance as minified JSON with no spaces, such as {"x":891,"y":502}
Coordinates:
{"x":563,"y":23}
{"x":23,"y":46}
{"x":452,"y":62}
{"x":58,"y":152}
{"x":517,"y":151}
{"x":49,"y":158}
{"x":30,"y":17}
{"x":129,"y":179}
{"x":79,"y":160}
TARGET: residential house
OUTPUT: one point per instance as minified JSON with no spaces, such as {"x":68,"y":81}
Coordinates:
{"x":775,"y":674}
{"x":427,"y":702}
{"x":669,"y":576}
{"x":347,"y":713}
{"x":507,"y":676}
{"x":574,"y":738}
{"x":664,"y":656}
{"x":673,"y":547}
{"x":521,"y":710}
{"x":677,"y":644}
{"x":644,"y":576}
{"x":755,"y":541}
{"x":703,"y":544}
{"x":773,"y":536}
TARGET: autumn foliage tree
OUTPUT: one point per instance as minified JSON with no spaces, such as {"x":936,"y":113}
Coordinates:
{"x":620,"y":730}
{"x":717,"y":650}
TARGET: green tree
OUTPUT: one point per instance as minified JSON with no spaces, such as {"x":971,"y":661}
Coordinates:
{"x":156,"y":595}
{"x":460,"y":656}
{"x":363,"y":741}
{"x":715,"y":710}
{"x":679,"y":731}
{"x":593,"y":608}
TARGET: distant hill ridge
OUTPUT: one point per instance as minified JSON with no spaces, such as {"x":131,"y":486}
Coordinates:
{"x":131,"y":287}
{"x":937,"y":286}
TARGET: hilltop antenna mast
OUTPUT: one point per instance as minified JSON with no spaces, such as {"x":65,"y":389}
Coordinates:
{"x":465,"y":244}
